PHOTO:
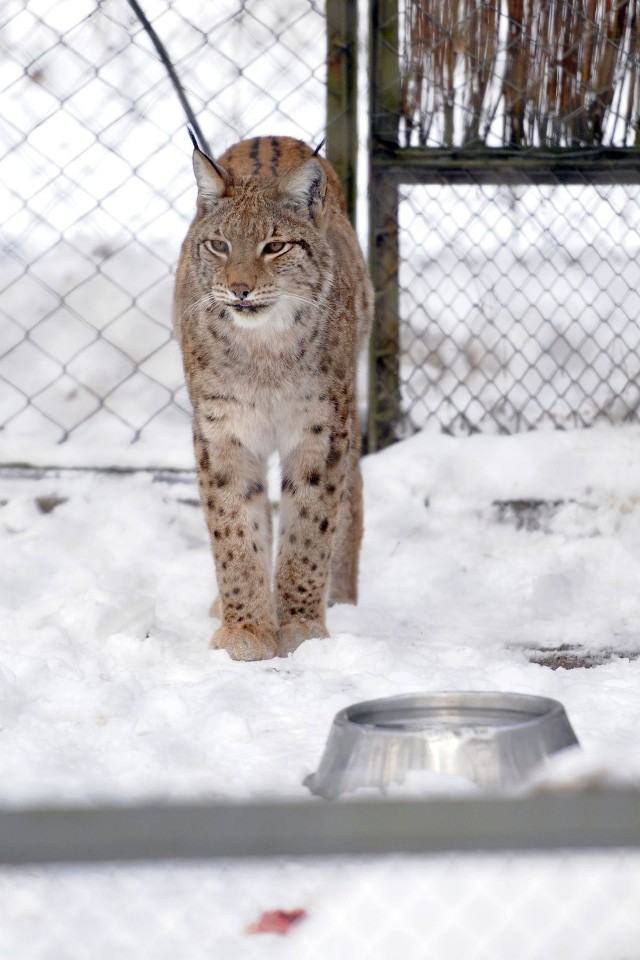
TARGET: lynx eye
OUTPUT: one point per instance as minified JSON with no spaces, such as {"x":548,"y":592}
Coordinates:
{"x":217,"y":245}
{"x":275,"y":246}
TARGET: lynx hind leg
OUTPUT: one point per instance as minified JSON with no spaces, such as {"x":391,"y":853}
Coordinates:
{"x":345,"y":553}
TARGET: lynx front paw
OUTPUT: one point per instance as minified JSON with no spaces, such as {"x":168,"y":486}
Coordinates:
{"x":245,"y":642}
{"x":294,"y":633}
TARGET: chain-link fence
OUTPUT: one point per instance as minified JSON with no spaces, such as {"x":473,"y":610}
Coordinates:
{"x":417,"y":908}
{"x":291,"y":892}
{"x":505,"y":215}
{"x":507,"y":278}
{"x":96,"y":195}
{"x":520,"y":305}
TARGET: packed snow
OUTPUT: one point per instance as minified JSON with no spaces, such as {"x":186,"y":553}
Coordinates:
{"x":480,"y":556}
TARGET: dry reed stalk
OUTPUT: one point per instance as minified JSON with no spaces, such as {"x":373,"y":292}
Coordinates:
{"x":514,"y":78}
{"x":570,"y":69}
{"x":448,"y":13}
{"x":478,"y":43}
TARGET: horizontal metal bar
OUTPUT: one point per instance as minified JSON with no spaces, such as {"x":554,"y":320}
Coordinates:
{"x":413,"y":165}
{"x":160,"y":474}
{"x":314,"y":828}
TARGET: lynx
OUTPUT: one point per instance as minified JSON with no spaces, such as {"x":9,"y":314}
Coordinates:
{"x":272,"y":305}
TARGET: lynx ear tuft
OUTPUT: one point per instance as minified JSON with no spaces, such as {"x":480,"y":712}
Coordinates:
{"x":306,"y":186}
{"x":212,"y":179}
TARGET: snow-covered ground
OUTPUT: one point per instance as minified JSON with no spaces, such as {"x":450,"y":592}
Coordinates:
{"x":109,"y":688}
{"x":482,"y":556}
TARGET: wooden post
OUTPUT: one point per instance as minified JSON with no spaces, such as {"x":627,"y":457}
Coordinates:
{"x":384,"y":355}
{"x":342,"y":84}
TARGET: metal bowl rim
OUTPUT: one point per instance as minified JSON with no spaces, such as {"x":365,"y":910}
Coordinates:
{"x":550,"y":708}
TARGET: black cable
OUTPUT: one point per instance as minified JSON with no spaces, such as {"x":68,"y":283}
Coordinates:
{"x":173,"y":76}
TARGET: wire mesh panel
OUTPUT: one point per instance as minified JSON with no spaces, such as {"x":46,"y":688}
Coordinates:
{"x":519,"y":306}
{"x":446,"y":907}
{"x":96,"y":195}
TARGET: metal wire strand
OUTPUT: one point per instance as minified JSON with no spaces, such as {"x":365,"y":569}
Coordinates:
{"x":173,"y":76}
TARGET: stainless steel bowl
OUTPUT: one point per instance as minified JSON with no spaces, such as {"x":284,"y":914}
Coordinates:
{"x":493,"y":739}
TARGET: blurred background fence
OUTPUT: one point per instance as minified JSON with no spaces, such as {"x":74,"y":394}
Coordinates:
{"x":504,"y":210}
{"x":97,"y":193}
{"x":547,"y":876}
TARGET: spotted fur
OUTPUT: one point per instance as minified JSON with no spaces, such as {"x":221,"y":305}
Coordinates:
{"x":272,"y":305}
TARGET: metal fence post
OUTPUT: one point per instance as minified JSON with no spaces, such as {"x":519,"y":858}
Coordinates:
{"x":342,"y":94}
{"x":384,"y":373}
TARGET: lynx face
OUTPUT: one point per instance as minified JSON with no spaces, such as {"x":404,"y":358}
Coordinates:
{"x":272,"y":304}
{"x":262,"y":267}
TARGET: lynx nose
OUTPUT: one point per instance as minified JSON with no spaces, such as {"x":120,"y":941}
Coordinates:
{"x":240,"y":290}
